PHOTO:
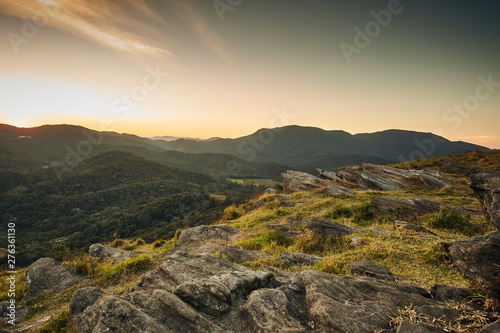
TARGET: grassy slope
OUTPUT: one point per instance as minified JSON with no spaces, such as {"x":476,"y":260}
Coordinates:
{"x":418,"y":257}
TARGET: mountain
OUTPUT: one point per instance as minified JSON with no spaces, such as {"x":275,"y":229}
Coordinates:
{"x":299,"y":146}
{"x":173,"y":138}
{"x":291,"y":147}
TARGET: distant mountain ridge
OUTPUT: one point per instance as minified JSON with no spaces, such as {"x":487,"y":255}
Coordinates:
{"x":296,"y":146}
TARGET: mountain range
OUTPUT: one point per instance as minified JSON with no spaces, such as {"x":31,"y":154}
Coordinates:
{"x":303,"y":148}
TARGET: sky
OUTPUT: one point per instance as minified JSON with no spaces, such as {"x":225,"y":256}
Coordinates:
{"x":225,"y":68}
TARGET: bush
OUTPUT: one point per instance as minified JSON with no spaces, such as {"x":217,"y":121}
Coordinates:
{"x":139,"y":242}
{"x":117,"y":243}
{"x":232,"y":212}
{"x":158,"y":243}
{"x":452,"y":220}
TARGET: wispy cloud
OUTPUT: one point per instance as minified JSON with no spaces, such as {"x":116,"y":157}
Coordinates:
{"x":135,"y":26}
{"x":125,"y":25}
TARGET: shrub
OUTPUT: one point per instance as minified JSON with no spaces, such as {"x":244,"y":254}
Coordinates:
{"x":232,"y":212}
{"x":117,"y":243}
{"x":139,"y":242}
{"x":452,"y":220}
{"x":158,"y":243}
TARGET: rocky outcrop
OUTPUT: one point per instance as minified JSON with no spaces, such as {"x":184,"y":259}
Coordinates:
{"x":491,"y":328}
{"x":296,"y":181}
{"x":283,"y":229}
{"x":83,"y":298}
{"x":205,"y":293}
{"x":405,"y":208}
{"x":46,"y":274}
{"x":383,"y":178}
{"x":486,"y":186}
{"x":208,"y":232}
{"x":239,"y":254}
{"x":478,"y":259}
{"x":452,"y":167}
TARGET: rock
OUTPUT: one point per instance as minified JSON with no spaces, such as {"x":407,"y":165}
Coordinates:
{"x":299,"y":259}
{"x":337,"y":303}
{"x":379,"y":231}
{"x":433,"y":182}
{"x":339,"y":191}
{"x":326,"y":228}
{"x":478,"y":259}
{"x":283,"y":277}
{"x":452,"y":167}
{"x":155,"y":312}
{"x":405,"y":207}
{"x":369,"y":268}
{"x":211,"y":297}
{"x":296,"y":181}
{"x":46,"y":274}
{"x":433,"y":312}
{"x":187,"y":293}
{"x":205,"y":293}
{"x":491,"y":328}
{"x":200,"y":248}
{"x":332,"y":176}
{"x":486,"y":187}
{"x":104,"y":251}
{"x":413,"y":227}
{"x":237,"y":253}
{"x":293,"y":220}
{"x":266,"y":311}
{"x":407,"y":326}
{"x":283,"y":229}
{"x":358,"y":241}
{"x":270,"y":190}
{"x":249,"y":209}
{"x":373,"y":182}
{"x":208,"y":232}
{"x":282,"y":197}
{"x":83,"y":298}
{"x":447,"y":293}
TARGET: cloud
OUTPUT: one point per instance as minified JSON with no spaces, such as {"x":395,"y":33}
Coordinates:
{"x":127,"y":25}
{"x":134,"y":26}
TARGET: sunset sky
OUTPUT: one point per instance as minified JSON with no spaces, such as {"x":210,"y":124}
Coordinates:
{"x":205,"y":68}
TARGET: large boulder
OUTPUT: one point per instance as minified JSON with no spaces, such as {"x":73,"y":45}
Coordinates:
{"x":478,"y":259}
{"x":46,"y":274}
{"x":205,"y":293}
{"x":296,"y":181}
{"x":486,"y":186}
{"x":83,"y":298}
{"x":208,"y":232}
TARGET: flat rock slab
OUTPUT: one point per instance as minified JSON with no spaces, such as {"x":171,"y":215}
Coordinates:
{"x":299,"y":259}
{"x":447,"y":293}
{"x":410,"y":327}
{"x":296,"y":181}
{"x":486,"y":187}
{"x":83,"y":298}
{"x":46,"y":274}
{"x":208,"y":232}
{"x":413,"y":227}
{"x":478,"y":259}
{"x":380,"y":231}
{"x":365,"y":267}
{"x":327,"y":228}
{"x":239,"y":254}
